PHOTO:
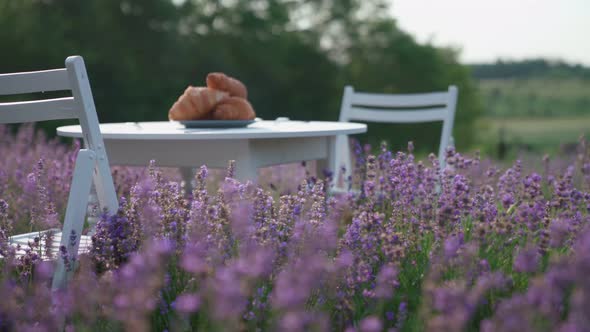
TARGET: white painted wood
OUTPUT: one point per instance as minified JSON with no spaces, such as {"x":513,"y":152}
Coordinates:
{"x":103,"y":180}
{"x":91,"y":216}
{"x":24,"y":239}
{"x":246,"y":168}
{"x":341,"y":149}
{"x":329,"y":162}
{"x":342,"y":161}
{"x":289,"y":150}
{"x":215,"y":153}
{"x":398,"y":100}
{"x":92,"y":165}
{"x":413,"y":116}
{"x":446,"y":137}
{"x":188,"y":176}
{"x":172,"y":153}
{"x":38,"y":110}
{"x":169,"y":130}
{"x":395,"y":108}
{"x":34,"y":81}
{"x":75,"y":213}
{"x":266,"y":142}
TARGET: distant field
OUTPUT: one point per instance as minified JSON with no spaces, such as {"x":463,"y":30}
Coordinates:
{"x":538,"y":97}
{"x":533,"y":134}
{"x":536,"y":114}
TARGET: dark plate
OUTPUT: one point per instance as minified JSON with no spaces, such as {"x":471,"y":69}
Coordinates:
{"x":216,"y":123}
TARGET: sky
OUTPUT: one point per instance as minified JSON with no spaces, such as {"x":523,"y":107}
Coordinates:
{"x":485,"y":30}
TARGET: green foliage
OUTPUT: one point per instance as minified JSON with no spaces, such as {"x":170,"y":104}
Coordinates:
{"x":546,"y":135}
{"x":533,"y":105}
{"x":531,"y":68}
{"x":294,"y":56}
{"x":536,"y":97}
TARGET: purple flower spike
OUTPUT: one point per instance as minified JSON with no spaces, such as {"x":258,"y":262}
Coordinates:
{"x":386,"y":282}
{"x":452,"y":245}
{"x":527,"y":260}
{"x":187,"y":303}
{"x":371,"y":324}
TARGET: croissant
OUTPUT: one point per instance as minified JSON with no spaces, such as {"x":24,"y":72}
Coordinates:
{"x":234,"y":87}
{"x":233,"y":108}
{"x":195,"y":103}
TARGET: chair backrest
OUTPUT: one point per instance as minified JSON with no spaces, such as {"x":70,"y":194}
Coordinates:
{"x":79,"y":106}
{"x":397,"y":108}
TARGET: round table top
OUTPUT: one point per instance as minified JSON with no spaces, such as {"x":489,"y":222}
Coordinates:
{"x":164,"y":130}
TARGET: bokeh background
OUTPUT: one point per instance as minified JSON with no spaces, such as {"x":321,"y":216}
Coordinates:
{"x":296,"y":56}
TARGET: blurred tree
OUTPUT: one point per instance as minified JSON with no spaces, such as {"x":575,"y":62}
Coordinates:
{"x":385,"y":59}
{"x":295,"y":56}
{"x":286,"y":74}
{"x":530,"y":68}
{"x":129,"y":48}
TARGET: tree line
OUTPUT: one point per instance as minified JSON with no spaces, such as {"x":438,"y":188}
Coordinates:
{"x":530,"y":68}
{"x":295,"y":56}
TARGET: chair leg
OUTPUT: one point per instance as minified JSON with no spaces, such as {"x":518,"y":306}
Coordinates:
{"x":74,"y":219}
{"x":187,"y":174}
{"x":340,"y":157}
{"x":92,"y":210}
{"x":246,"y":169}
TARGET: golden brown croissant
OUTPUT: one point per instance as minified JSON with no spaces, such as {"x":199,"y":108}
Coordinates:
{"x":195,"y":103}
{"x":234,"y":87}
{"x":233,"y":108}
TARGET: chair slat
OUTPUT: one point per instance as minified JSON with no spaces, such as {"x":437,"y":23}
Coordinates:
{"x":393,"y":108}
{"x":400,"y":100}
{"x":34,"y":81}
{"x":38,"y":110}
{"x":73,"y":78}
{"x":418,"y":115}
{"x":24,"y":239}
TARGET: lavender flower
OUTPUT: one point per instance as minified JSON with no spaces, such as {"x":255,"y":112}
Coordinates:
{"x":419,"y":249}
{"x":527,"y":260}
{"x":371,"y":324}
{"x":187,"y":303}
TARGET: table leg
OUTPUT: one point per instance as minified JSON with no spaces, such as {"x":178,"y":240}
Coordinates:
{"x":92,"y":210}
{"x":188,"y":176}
{"x":329,"y":163}
{"x":246,"y":169}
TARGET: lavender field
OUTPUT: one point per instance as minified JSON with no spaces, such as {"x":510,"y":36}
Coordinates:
{"x":476,"y":247}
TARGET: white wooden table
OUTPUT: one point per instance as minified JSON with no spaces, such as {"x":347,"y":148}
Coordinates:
{"x":260,"y":144}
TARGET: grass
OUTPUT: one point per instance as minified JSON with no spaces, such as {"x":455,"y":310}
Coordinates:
{"x":546,"y":135}
{"x":536,"y":97}
{"x":534,"y":115}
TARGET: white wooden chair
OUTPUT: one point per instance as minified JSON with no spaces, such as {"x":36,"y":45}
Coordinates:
{"x":91,"y":163}
{"x":393,"y":108}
